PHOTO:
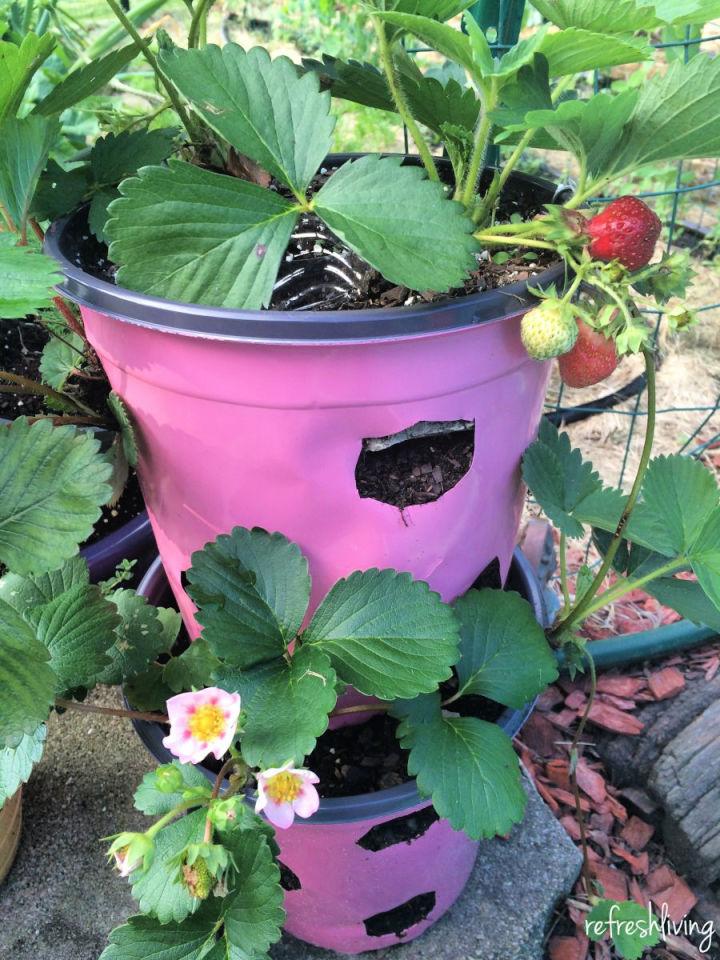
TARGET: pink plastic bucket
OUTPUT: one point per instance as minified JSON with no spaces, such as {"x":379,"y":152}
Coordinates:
{"x":258,"y":418}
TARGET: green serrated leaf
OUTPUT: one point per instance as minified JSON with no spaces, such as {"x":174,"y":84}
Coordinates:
{"x":121,"y":155}
{"x":194,"y":667}
{"x":446,"y":40}
{"x":158,"y":890}
{"x":687,"y":598}
{"x":26,"y":281}
{"x":78,"y":628}
{"x":673,"y":118}
{"x":678,"y":494}
{"x":262,"y":107}
{"x":25,"y":593}
{"x":85,"y":81}
{"x":60,"y":358}
{"x":127,"y":430}
{"x":27,"y":681}
{"x":98,"y":211}
{"x":682,"y":12}
{"x":53,"y":481}
{"x":148,"y":690}
{"x":139,"y":637}
{"x":467,"y":766}
{"x":24,"y":148}
{"x":16,"y":763}
{"x":18,"y":65}
{"x":505,"y":655}
{"x":153,"y":802}
{"x":558,"y":477}
{"x":252,"y":588}
{"x":289,"y":709}
{"x":145,"y":938}
{"x":399,"y":241}
{"x":59,"y":191}
{"x":631,"y":930}
{"x":434,"y":103}
{"x":373,"y":623}
{"x":233,"y":262}
{"x":253,"y":913}
{"x":590,"y":129}
{"x":705,"y":557}
{"x":628,"y":16}
{"x":575,"y":50}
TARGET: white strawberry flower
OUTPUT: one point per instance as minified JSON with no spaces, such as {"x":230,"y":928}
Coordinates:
{"x":286,"y":791}
{"x":202,"y":722}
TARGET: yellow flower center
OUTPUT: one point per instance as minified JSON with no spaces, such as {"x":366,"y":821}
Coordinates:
{"x":207,"y":723}
{"x":283,"y":787}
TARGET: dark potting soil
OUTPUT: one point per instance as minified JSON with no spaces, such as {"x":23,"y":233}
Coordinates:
{"x":415,"y":471}
{"x":367,"y":758}
{"x":129,"y":506}
{"x":21,"y":345}
{"x":320,"y":273}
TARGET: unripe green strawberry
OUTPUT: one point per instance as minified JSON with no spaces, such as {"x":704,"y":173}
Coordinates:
{"x":548,"y":330}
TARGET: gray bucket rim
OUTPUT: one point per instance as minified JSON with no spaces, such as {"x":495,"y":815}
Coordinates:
{"x":286,"y":327}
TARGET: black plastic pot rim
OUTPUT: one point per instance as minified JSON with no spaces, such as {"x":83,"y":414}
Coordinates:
{"x":121,"y":543}
{"x":364,"y":806}
{"x":298,"y":327}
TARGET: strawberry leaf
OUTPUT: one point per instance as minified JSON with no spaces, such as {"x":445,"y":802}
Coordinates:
{"x":24,"y":148}
{"x":504,"y":653}
{"x":399,"y":239}
{"x":155,"y":236}
{"x":467,"y":766}
{"x":629,"y":924}
{"x":18,"y":65}
{"x":262,"y":107}
{"x":373,"y":623}
{"x":26,"y":281}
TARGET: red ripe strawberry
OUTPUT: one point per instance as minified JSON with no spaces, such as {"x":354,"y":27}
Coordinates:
{"x":592,"y":359}
{"x":627,"y":230}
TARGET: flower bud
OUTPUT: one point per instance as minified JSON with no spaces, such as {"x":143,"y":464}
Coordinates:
{"x":168,"y":779}
{"x":131,"y":851}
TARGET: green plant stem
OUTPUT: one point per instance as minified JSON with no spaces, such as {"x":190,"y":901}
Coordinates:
{"x":32,"y":387}
{"x":563,"y":571}
{"x":171,"y":814}
{"x":513,"y":241}
{"x":69,"y":317}
{"x":579,"y":815}
{"x":152,"y":60}
{"x":501,"y":177}
{"x":228,"y":765}
{"x":585,"y":604}
{"x":624,"y":586}
{"x":400,"y":100}
{"x":198,"y":24}
{"x":488,"y":102}
{"x":111,"y":711}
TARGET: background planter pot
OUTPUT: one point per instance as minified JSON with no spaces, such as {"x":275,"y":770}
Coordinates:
{"x":133,"y":541}
{"x":10,"y":827}
{"x":257,"y":418}
{"x":374,"y":870}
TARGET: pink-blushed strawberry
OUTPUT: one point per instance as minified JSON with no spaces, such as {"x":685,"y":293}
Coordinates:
{"x":592,"y":359}
{"x":627,"y":230}
{"x":548,"y":330}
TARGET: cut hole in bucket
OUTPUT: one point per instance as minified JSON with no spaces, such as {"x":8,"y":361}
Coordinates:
{"x":416,"y":465}
{"x":288,"y":879}
{"x":402,"y":918}
{"x":401,"y":830}
{"x":490,"y":578}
